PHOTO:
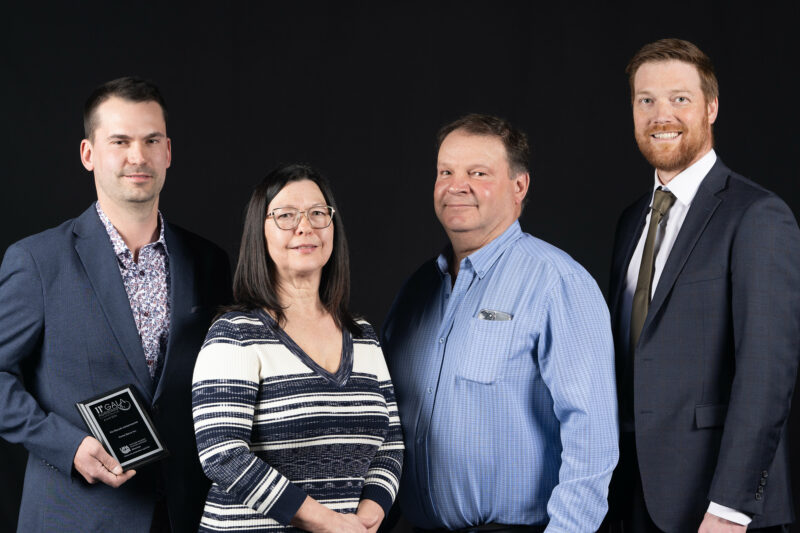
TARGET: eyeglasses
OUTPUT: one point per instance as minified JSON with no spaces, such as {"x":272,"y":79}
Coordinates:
{"x":319,"y":216}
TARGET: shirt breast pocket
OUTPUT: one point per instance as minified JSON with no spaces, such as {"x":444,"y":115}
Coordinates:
{"x":487,"y":348}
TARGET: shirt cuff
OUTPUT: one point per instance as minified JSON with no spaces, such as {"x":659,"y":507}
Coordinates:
{"x":729,"y":514}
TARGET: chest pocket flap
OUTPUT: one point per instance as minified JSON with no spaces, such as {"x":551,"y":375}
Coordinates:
{"x":487,"y":348}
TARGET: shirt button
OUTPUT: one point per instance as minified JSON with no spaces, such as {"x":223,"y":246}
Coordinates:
{"x":146,"y":313}
{"x":141,"y":273}
{"x":441,"y":341}
{"x":430,"y":390}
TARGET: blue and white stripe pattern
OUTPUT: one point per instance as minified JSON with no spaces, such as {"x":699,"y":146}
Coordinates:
{"x":273,"y":427}
{"x":505,"y":383}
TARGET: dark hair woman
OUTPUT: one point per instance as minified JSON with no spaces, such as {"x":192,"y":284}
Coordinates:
{"x":294,"y":410}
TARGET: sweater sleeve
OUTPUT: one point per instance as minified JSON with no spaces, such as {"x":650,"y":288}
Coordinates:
{"x":224,"y":394}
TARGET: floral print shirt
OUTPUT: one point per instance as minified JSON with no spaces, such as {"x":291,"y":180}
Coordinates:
{"x":147,"y":285}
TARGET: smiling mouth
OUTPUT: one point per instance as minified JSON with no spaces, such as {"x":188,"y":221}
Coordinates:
{"x":666,"y":135}
{"x":304,"y":247}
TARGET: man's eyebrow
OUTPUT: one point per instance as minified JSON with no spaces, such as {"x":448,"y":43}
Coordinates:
{"x":122,"y":136}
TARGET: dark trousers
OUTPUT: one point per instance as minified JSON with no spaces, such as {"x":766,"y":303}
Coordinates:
{"x":160,"y":518}
{"x":628,"y":513}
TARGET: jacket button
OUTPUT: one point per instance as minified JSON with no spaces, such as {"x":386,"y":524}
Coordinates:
{"x":760,"y":490}
{"x":758,"y":496}
{"x":762,"y":482}
{"x":764,"y":473}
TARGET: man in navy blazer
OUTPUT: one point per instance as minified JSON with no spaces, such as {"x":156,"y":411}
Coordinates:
{"x":706,"y":317}
{"x":116,"y":296}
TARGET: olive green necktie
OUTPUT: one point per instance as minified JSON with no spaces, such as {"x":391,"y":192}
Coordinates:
{"x":662,"y":201}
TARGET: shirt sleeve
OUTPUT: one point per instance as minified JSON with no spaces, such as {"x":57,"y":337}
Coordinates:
{"x":576,"y":357}
{"x":383,"y":477}
{"x":224,"y":394}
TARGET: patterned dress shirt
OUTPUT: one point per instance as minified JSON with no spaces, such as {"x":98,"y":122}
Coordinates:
{"x":147,"y":285}
{"x":506,"y":390}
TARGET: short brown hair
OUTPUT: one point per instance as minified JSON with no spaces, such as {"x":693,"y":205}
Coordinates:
{"x":514,"y":140}
{"x":678,"y":50}
{"x":129,"y":88}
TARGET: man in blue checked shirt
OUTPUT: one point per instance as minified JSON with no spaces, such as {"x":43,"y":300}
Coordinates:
{"x":502,"y":358}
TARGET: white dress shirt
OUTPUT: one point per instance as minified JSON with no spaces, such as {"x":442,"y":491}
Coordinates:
{"x":684,"y":186}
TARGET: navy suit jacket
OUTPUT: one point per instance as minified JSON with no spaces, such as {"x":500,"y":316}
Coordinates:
{"x":67,"y":333}
{"x":715,"y":366}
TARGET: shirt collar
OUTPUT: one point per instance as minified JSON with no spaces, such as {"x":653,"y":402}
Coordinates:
{"x":120,"y":248}
{"x":483,"y":258}
{"x":684,"y":186}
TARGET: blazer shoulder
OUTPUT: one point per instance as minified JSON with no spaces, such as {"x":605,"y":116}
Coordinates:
{"x":744,"y":199}
{"x":45,"y":245}
{"x":745,"y":190}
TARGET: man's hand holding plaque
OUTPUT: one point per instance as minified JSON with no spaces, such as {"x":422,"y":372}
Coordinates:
{"x":94,"y":463}
{"x":123,"y":437}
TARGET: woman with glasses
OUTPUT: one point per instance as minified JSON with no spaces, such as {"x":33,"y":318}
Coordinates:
{"x":294,"y":410}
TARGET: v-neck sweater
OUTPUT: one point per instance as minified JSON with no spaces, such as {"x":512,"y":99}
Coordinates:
{"x":273,"y":427}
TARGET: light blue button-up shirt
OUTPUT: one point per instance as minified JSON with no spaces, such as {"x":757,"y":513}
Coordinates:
{"x":507,"y":421}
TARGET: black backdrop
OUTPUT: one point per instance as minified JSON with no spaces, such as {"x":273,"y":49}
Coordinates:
{"x":359,"y":89}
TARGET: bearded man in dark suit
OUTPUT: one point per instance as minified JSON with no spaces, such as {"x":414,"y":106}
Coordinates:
{"x":705,"y":304}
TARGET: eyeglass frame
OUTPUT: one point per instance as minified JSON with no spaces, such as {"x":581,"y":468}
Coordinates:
{"x":302,"y":213}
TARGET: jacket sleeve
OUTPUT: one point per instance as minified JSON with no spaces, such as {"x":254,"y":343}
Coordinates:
{"x":46,"y":435}
{"x":765,"y":307}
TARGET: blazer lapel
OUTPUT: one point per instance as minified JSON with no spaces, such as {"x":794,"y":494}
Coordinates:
{"x":703,"y":206}
{"x":631,"y":227}
{"x":97,"y":255}
{"x":181,"y":280}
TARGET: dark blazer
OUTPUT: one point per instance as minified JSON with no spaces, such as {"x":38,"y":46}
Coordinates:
{"x":716,"y":362}
{"x":67,"y":334}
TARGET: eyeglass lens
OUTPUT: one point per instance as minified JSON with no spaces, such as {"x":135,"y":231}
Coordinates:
{"x":288,"y":218}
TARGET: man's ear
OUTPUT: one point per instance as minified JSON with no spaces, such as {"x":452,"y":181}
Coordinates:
{"x":712,"y":108}
{"x":522,"y":182}
{"x":87,"y":151}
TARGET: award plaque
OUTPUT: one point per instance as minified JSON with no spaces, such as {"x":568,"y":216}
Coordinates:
{"x":117,"y":419}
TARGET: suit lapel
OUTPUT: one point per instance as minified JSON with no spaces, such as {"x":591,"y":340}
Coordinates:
{"x":181,"y":279}
{"x":703,"y":206}
{"x":631,"y":227}
{"x":94,"y":248}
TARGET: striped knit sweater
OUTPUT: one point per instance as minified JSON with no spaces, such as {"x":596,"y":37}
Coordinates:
{"x":272,"y":426}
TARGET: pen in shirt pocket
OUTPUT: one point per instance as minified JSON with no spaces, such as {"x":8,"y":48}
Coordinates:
{"x":491,"y":314}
